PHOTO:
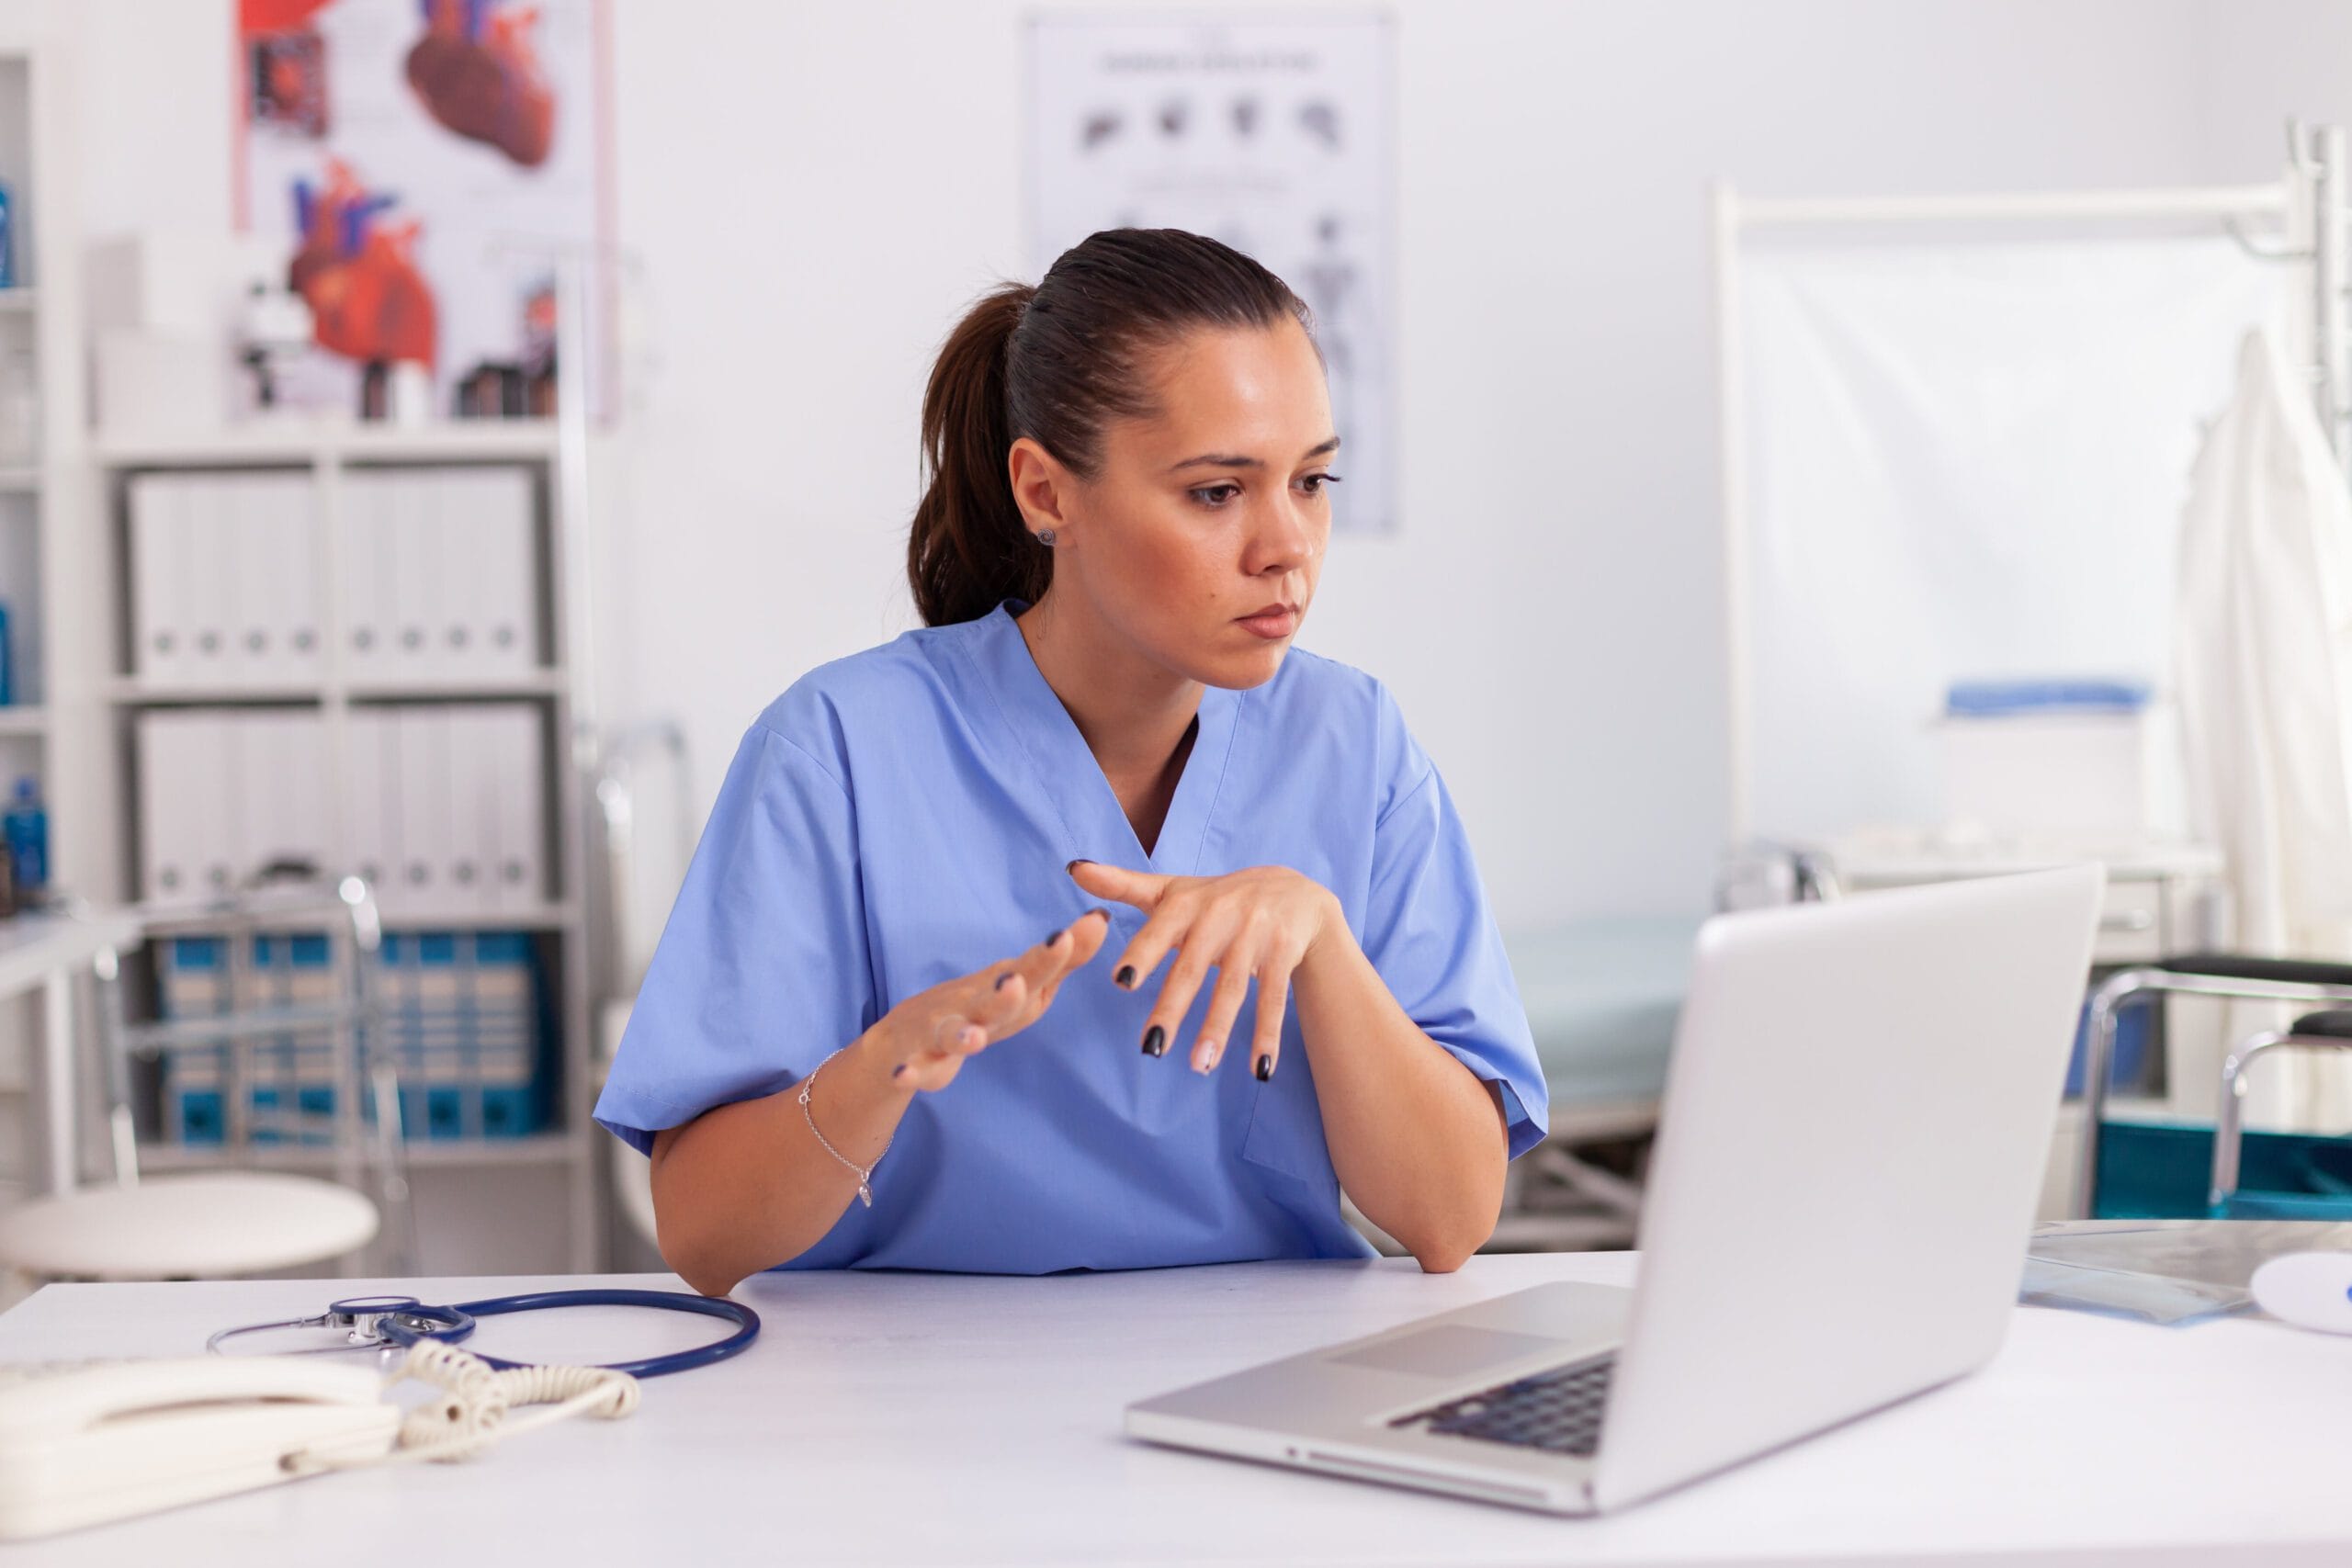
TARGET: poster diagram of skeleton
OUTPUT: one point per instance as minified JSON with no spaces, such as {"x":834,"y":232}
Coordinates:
{"x":1269,"y":132}
{"x":418,"y":166}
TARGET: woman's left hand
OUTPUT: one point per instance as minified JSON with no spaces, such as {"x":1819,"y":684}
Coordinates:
{"x":1261,"y":923}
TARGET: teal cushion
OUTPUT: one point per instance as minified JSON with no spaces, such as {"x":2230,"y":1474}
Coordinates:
{"x":1602,"y":998}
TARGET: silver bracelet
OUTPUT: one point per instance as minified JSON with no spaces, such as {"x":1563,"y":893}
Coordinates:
{"x":864,"y":1172}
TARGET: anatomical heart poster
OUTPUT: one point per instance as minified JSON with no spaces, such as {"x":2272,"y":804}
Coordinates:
{"x":1271,"y":131}
{"x":420,"y":167}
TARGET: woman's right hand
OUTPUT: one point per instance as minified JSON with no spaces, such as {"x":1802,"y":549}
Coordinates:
{"x":925,"y":1038}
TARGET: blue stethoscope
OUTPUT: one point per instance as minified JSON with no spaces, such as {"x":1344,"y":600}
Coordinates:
{"x":395,"y":1323}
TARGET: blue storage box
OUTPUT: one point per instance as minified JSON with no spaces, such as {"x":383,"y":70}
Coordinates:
{"x":465,"y":1018}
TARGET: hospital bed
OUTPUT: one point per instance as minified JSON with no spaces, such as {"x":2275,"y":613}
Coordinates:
{"x":1602,"y":997}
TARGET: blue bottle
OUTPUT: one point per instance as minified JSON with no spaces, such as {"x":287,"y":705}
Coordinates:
{"x":26,"y":826}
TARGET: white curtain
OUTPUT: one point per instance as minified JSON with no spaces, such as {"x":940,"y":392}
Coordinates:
{"x":1964,"y":460}
{"x":2265,"y":674}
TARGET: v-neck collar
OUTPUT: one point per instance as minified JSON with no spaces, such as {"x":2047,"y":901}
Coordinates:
{"x":1066,"y":775}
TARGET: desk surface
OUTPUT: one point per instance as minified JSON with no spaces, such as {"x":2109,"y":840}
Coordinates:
{"x":927,"y":1419}
{"x":38,"y":944}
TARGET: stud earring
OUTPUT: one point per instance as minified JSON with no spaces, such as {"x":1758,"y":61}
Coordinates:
{"x":1045,"y":538}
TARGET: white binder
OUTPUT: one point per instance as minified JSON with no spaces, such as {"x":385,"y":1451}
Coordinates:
{"x":272,"y":611}
{"x":207,"y":596}
{"x":518,"y":753}
{"x":299,"y":628}
{"x":220,"y":764}
{"x":491,"y":566}
{"x":159,"y":577}
{"x":453,"y":568}
{"x":187,"y":765}
{"x":471,"y":848}
{"x":425,"y":808}
{"x":280,"y":788}
{"x":365,"y":532}
{"x":371,"y":801}
{"x":308,"y":828}
{"x":416,"y":576}
{"x":170,"y":786}
{"x":245,"y":520}
{"x":256,"y":791}
{"x":511,"y":575}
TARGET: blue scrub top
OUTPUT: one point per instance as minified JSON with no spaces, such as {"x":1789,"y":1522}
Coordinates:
{"x":904,"y":815}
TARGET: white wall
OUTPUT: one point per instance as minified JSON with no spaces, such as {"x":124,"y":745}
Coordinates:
{"x":816,"y":189}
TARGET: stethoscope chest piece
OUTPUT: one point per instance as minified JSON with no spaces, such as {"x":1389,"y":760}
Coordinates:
{"x":385,"y":1320}
{"x":361,"y":1323}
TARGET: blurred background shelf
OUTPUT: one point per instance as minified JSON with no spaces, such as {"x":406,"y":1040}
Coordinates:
{"x":135,"y":691}
{"x":298,"y":444}
{"x":421,"y":1154}
{"x":353,"y":476}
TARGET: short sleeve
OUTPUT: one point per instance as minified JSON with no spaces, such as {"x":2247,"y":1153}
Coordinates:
{"x":1428,"y":932}
{"x":763,"y":969}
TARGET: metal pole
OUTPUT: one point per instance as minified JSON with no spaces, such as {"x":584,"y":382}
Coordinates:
{"x":60,"y":1148}
{"x":575,"y":389}
{"x":574,"y":557}
{"x":2091,"y":206}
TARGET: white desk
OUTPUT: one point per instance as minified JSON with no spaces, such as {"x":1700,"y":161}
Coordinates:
{"x":923,"y":1419}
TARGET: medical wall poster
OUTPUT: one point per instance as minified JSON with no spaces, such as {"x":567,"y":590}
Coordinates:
{"x":1270,"y":131}
{"x":418,"y":167}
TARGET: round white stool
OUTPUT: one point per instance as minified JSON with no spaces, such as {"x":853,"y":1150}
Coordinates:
{"x":204,"y":1226}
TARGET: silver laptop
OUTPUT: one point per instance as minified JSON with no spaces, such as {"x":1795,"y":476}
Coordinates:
{"x":1857,"y":1117}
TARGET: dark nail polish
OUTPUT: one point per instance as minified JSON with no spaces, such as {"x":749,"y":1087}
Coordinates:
{"x":1098,"y":909}
{"x":1052,"y":937}
{"x":899,"y":1072}
{"x":1155,"y":1041}
{"x":1265,"y":1068}
{"x":1003,"y":980}
{"x":1075,"y":864}
{"x":1125,"y":978}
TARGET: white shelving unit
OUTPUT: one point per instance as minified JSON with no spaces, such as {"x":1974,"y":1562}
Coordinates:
{"x":292,"y":442}
{"x":40,"y":499}
{"x":328,"y":454}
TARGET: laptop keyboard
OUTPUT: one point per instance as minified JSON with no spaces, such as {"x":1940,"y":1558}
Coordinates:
{"x":1558,"y":1411}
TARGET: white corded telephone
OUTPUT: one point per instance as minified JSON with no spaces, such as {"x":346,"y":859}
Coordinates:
{"x":83,"y":1448}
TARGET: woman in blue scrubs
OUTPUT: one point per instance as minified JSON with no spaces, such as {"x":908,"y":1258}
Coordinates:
{"x":971,"y":904}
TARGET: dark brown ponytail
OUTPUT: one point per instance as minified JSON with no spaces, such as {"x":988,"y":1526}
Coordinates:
{"x":1056,"y":363}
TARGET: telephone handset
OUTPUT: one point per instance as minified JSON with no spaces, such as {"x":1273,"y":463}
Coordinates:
{"x":83,"y":1448}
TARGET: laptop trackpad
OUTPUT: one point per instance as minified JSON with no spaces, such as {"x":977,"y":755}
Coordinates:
{"x":1449,"y":1351}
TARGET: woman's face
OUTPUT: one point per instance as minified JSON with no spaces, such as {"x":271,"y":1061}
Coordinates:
{"x":1201,"y":539}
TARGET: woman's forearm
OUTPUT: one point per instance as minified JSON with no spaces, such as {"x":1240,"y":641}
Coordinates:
{"x":1416,"y":1138}
{"x":744,"y":1186}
